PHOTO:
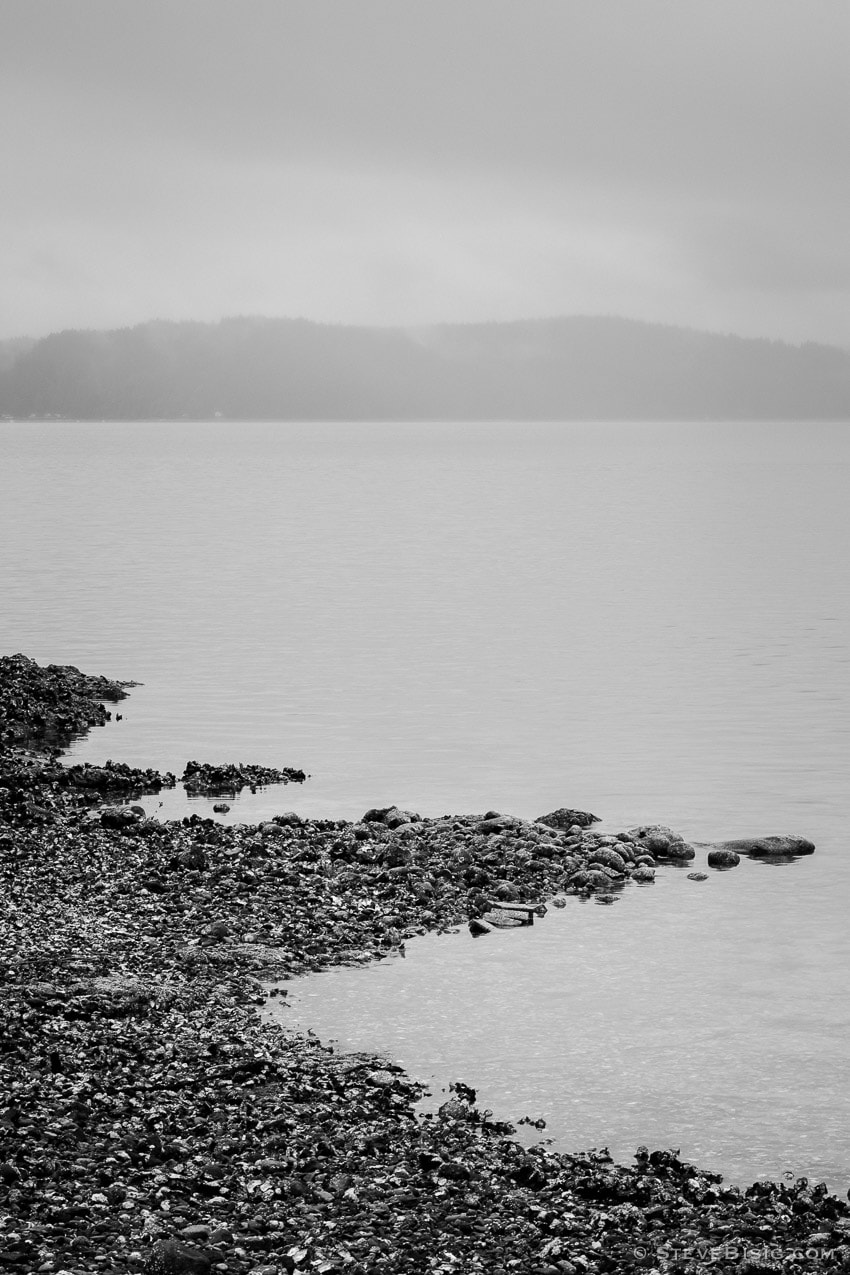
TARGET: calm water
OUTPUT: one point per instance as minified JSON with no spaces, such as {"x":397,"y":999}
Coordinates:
{"x":648,"y":621}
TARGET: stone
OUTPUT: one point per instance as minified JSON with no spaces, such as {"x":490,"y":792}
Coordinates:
{"x":643,"y":873}
{"x":679,"y":850}
{"x":376,"y":814}
{"x":503,"y":920}
{"x":764,"y":847}
{"x":697,"y":876}
{"x":289,"y":819}
{"x":120,"y":817}
{"x":477,"y":928}
{"x":608,"y":858}
{"x":721,"y":858}
{"x":197,"y":1232}
{"x":395,"y":818}
{"x":567,"y":819}
{"x":647,"y":830}
{"x":492,"y":823}
{"x":170,"y":1257}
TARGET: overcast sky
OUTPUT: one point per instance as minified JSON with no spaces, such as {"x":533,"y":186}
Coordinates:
{"x":411,"y":161}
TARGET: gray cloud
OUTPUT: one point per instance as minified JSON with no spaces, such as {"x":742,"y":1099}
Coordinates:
{"x":393,"y":161}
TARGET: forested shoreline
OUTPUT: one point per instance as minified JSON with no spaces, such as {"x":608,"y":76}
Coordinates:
{"x":574,"y":368}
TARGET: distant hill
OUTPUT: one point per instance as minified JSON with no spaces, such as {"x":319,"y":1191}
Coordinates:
{"x":11,"y":351}
{"x":285,"y":369}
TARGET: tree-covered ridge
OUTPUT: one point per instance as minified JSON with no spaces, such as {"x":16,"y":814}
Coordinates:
{"x":289,"y":369}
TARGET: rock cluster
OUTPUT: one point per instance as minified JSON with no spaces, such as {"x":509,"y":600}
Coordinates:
{"x":151,"y":1120}
{"x":51,"y":704}
{"x":230,"y":779}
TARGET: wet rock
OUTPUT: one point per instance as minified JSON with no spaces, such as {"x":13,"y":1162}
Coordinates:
{"x":723,"y":858}
{"x":608,"y":858}
{"x":119,"y":817}
{"x":477,"y":928}
{"x":228,"y":780}
{"x":652,"y":835}
{"x":765,"y":847}
{"x":643,"y":873}
{"x":49,"y":704}
{"x":679,"y":851}
{"x":697,"y":876}
{"x":503,"y":920}
{"x":567,"y":818}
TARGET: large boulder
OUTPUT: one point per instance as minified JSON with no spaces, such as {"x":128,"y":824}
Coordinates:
{"x":765,"y":847}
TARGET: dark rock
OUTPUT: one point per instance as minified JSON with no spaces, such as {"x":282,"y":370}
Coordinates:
{"x":120,"y":817}
{"x":395,"y":818}
{"x":598,"y":879}
{"x":492,"y":823}
{"x":608,"y":858}
{"x":230,"y":779}
{"x":650,"y":835}
{"x":170,"y":1257}
{"x":723,"y":858}
{"x":679,"y":851}
{"x":477,"y":927}
{"x":376,"y":814}
{"x":764,"y":847}
{"x":221,"y":808}
{"x":566,"y":818}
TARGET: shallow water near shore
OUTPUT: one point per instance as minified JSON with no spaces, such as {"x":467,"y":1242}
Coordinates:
{"x":642,"y":1022}
{"x":650,"y":621}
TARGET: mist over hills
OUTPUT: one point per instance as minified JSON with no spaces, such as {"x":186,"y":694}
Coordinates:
{"x":285,"y":369}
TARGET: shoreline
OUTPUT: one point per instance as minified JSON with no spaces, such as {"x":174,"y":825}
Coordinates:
{"x":154,"y":1121}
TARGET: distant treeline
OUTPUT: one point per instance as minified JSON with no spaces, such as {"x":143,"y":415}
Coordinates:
{"x":292,"y":369}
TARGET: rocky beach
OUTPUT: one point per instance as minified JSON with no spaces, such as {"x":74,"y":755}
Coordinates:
{"x":152,"y":1119}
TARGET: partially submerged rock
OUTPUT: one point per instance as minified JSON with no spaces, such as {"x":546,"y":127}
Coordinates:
{"x":229,"y":779}
{"x":765,"y":847}
{"x":723,"y":857}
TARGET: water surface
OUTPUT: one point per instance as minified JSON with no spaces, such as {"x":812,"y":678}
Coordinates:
{"x":650,"y":621}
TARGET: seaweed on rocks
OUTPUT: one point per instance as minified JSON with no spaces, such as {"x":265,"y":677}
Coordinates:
{"x":152,"y":1120}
